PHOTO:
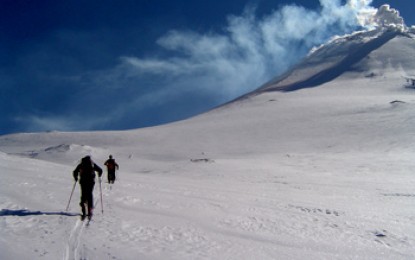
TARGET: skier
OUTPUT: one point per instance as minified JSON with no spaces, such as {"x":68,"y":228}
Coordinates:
{"x":111,"y":167}
{"x":86,"y":172}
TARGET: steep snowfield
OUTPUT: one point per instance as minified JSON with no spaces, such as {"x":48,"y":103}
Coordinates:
{"x":323,"y":172}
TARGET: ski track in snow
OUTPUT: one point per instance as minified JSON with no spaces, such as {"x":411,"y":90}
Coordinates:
{"x":76,"y":247}
{"x":73,"y":241}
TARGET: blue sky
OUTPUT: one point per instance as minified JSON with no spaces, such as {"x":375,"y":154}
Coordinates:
{"x":112,"y":65}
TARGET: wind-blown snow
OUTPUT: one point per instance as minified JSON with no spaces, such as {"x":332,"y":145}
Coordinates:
{"x":323,"y":172}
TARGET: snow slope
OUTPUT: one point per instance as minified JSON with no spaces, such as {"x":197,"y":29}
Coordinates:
{"x":317,"y":163}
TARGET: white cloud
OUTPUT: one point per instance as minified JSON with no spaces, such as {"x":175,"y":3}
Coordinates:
{"x":250,"y":50}
{"x":387,"y":16}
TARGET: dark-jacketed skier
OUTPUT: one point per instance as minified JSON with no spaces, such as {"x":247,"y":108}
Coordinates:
{"x":85,"y":172}
{"x":111,"y":167}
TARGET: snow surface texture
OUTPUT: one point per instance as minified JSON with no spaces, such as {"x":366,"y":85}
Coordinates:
{"x":317,"y":164}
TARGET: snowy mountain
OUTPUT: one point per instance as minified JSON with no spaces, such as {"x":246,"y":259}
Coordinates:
{"x":317,"y":163}
{"x":349,"y":54}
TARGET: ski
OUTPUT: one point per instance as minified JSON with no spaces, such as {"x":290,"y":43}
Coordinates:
{"x":86,"y":219}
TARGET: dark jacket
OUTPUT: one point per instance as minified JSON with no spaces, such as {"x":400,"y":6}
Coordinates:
{"x":86,"y":171}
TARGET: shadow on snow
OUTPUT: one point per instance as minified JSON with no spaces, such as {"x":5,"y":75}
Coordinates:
{"x":25,"y":212}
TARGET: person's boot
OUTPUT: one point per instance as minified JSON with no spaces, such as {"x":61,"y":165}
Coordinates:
{"x":90,"y":212}
{"x":83,"y":211}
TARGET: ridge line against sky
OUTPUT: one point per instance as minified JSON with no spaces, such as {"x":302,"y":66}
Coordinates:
{"x":96,"y":65}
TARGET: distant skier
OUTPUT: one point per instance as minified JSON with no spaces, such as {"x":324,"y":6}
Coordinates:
{"x":111,"y":167}
{"x":85,"y":171}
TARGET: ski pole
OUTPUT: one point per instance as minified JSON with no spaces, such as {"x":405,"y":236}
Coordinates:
{"x":69,"y":202}
{"x":100,"y":191}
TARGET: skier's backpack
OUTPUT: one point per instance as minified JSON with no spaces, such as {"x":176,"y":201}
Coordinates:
{"x":87,"y":170}
{"x":111,"y":164}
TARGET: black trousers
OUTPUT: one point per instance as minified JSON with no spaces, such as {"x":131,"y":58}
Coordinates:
{"x":87,"y":196}
{"x":111,"y":176}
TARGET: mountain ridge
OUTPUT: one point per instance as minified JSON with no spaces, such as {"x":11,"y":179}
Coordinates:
{"x":362,"y":44}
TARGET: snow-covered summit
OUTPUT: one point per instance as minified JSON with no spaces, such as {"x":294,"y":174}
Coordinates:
{"x":344,"y":53}
{"x":394,"y":48}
